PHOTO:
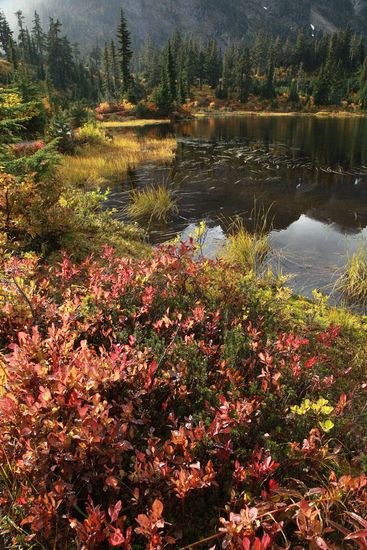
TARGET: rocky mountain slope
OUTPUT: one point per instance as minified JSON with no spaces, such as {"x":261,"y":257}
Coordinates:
{"x":91,"y":21}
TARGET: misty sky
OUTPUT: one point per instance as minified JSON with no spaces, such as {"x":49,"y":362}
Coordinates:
{"x":11,"y":6}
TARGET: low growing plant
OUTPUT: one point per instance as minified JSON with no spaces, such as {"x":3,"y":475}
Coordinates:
{"x":172,"y":402}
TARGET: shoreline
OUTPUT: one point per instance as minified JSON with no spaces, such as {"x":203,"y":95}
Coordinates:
{"x":320,"y":114}
{"x":144,"y":122}
{"x":134,"y":123}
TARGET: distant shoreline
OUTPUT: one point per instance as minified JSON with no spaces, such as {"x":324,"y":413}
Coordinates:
{"x":320,"y":114}
{"x":135,"y":123}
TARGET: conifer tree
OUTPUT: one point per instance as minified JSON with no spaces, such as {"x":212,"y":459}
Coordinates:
{"x":171,"y":73}
{"x":321,"y":87}
{"x":293,"y":92}
{"x":38,"y":35}
{"x":229,"y":72}
{"x":107,"y":81}
{"x":13,"y":115}
{"x":22,"y":36}
{"x":125,"y":53}
{"x":12,"y":53}
{"x":150,"y":64}
{"x":182,"y":88}
{"x":268,"y":88}
{"x":212,"y":63}
{"x":162,"y":95}
{"x":115,"y":71}
{"x":363,"y":85}
{"x":60,"y":61}
{"x":243,"y":74}
{"x":6,"y":34}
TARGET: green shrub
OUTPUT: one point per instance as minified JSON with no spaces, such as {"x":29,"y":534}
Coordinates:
{"x":91,"y":134}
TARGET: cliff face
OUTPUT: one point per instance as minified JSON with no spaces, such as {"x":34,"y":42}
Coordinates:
{"x":92,"y":21}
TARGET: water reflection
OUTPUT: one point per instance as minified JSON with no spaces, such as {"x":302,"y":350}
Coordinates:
{"x":310,"y":172}
{"x":326,"y":141}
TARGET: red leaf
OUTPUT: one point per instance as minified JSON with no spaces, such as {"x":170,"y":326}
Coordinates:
{"x":117,"y":538}
{"x":157,"y":508}
{"x":112,"y":482}
{"x":358,"y":518}
{"x":362,"y":534}
{"x":114,"y":511}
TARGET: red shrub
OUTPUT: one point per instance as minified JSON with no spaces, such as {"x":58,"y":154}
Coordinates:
{"x":141,"y":402}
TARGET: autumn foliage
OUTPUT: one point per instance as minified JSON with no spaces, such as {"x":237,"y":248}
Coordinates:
{"x":161,"y":402}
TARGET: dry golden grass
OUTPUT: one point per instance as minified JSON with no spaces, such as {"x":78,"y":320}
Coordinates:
{"x":110,"y":161}
{"x":134,"y":123}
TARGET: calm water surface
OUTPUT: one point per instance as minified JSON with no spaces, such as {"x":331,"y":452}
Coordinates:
{"x":310,"y":172}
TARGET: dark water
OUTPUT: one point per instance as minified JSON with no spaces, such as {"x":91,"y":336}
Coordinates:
{"x":311,"y":173}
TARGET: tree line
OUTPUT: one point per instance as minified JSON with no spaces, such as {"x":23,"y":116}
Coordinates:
{"x":326,"y":68}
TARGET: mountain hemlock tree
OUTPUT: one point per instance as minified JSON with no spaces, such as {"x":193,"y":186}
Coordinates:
{"x":22,"y":37}
{"x":243,"y":74}
{"x":321,"y":88}
{"x":60,"y":62}
{"x":162,"y":95}
{"x":171,"y":73}
{"x":293,"y":92}
{"x":12,"y":53}
{"x":39,"y":41}
{"x":182,"y":88}
{"x":6,"y":35}
{"x":268,"y":88}
{"x":125,"y":53}
{"x":38,"y":35}
{"x":363,"y":85}
{"x":107,"y":82}
{"x":115,"y":70}
{"x":212,"y":63}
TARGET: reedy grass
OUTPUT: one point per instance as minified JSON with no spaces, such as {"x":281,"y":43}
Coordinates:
{"x":248,"y":249}
{"x":110,"y":161}
{"x":353,"y":281}
{"x":154,"y":202}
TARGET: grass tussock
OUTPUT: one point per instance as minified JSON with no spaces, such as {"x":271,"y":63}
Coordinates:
{"x":353,"y":281}
{"x":106,"y":161}
{"x":249,"y":249}
{"x":154,"y":202}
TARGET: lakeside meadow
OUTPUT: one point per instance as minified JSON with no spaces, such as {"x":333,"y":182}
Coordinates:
{"x":183,"y":292}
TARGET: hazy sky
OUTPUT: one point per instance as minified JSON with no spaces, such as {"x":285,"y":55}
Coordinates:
{"x":11,"y":6}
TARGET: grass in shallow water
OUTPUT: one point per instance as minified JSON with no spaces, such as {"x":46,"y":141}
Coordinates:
{"x":353,"y":282}
{"x":154,"y":202}
{"x":246,"y":249}
{"x":249,"y":249}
